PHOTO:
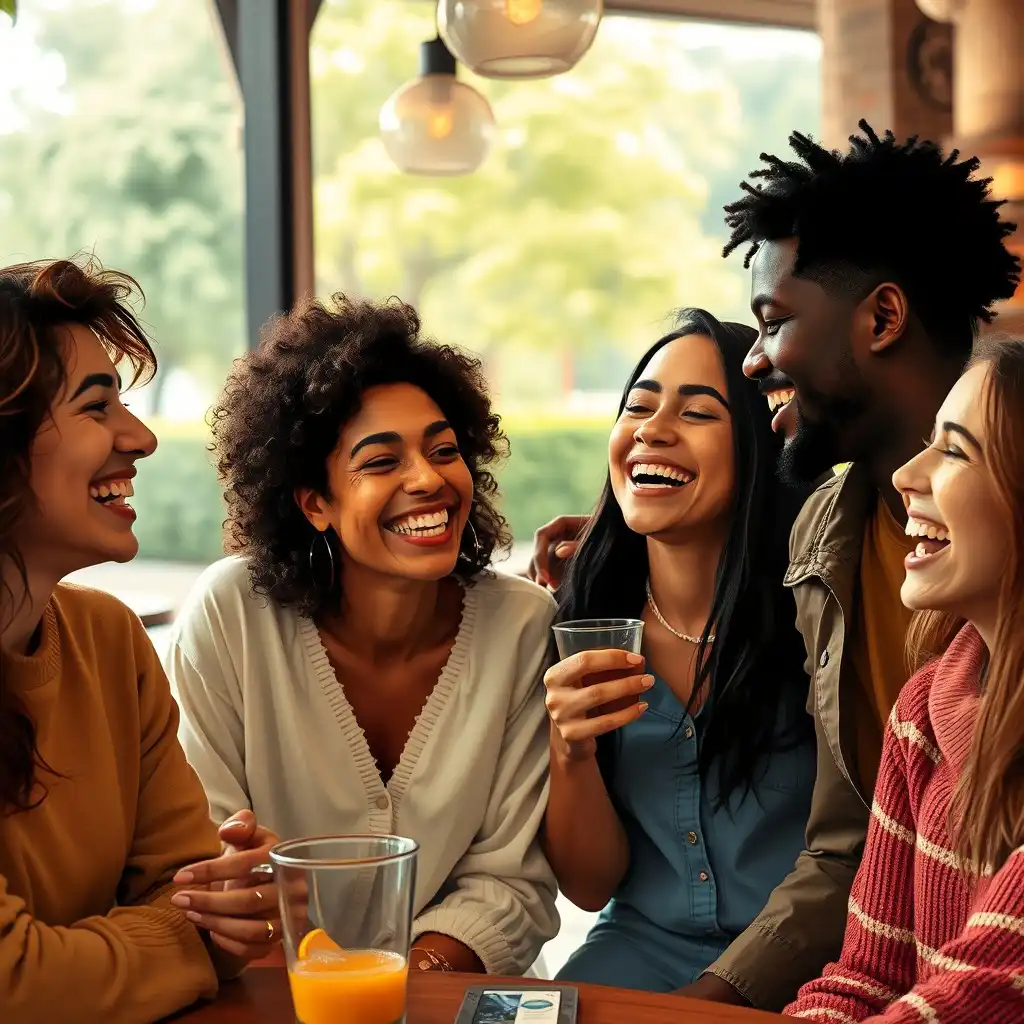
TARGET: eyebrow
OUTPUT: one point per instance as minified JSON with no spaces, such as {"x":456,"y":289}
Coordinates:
{"x":96,"y":380}
{"x":955,"y":428}
{"x":686,"y":390}
{"x":393,"y":437}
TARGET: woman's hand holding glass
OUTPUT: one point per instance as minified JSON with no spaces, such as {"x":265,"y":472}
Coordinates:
{"x":593,"y":693}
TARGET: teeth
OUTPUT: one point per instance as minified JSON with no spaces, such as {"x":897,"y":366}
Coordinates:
{"x":777,"y":399}
{"x":116,"y":488}
{"x":432,"y":525}
{"x":656,"y":469}
{"x":921,"y":551}
{"x":916,"y":528}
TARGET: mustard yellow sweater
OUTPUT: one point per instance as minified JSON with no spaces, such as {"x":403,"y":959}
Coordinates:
{"x":86,"y":930}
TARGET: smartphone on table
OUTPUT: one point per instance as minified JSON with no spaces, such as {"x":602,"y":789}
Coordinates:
{"x":506,"y":1004}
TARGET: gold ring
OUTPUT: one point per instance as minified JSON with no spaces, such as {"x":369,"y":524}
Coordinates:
{"x":270,"y":931}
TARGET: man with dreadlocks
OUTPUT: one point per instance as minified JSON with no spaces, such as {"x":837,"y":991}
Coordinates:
{"x":871,"y":273}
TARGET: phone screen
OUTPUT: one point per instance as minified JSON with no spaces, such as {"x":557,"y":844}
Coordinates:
{"x":532,"y":1006}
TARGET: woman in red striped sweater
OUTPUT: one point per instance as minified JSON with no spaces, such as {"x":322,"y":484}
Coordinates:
{"x":936,"y":919}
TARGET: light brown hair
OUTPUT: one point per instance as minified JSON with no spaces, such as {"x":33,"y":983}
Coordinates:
{"x":988,"y":807}
{"x":37,"y":301}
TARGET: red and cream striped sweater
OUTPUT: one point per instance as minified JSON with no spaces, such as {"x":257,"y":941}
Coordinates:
{"x":926,"y":941}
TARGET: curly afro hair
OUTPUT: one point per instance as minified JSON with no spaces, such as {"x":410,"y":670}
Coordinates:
{"x":886,"y":210}
{"x":283,"y":408}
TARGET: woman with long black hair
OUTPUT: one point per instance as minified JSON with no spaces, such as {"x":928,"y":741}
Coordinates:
{"x":680,"y":805}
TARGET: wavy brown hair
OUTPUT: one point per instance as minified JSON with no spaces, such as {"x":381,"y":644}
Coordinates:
{"x":988,"y":807}
{"x":282,"y":411}
{"x":37,"y":301}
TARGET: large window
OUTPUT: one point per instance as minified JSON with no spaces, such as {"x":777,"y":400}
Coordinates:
{"x":598,"y":211}
{"x":596,"y":214}
{"x":120,"y":134}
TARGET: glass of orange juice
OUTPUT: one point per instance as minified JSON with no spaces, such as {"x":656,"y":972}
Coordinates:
{"x":346,"y":912}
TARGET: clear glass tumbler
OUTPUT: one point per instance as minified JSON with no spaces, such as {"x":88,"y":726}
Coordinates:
{"x":346,"y":913}
{"x":601,"y":635}
{"x":598,"y":635}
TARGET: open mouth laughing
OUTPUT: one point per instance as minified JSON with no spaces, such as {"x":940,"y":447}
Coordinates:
{"x":430,"y":525}
{"x":933,"y":540}
{"x":430,"y":528}
{"x":778,"y":402}
{"x":658,"y":477}
{"x":112,"y":493}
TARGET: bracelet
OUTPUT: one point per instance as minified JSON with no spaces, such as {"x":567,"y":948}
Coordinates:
{"x":433,"y":961}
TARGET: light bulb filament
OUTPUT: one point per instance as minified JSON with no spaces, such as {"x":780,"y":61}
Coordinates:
{"x":439,"y":122}
{"x":522,"y":12}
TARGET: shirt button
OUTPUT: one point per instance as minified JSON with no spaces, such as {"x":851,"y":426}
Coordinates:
{"x":703,"y":876}
{"x":823,"y":660}
{"x":383,"y":801}
{"x":691,"y":837}
{"x":688,"y":732}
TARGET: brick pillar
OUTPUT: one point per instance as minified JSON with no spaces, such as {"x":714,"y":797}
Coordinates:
{"x":989,"y":110}
{"x":885,"y":61}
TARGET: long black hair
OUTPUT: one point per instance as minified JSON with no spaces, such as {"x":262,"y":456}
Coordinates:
{"x":755,"y":665}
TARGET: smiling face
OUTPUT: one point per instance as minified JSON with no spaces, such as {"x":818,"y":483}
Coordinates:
{"x":804,"y":361}
{"x":400,"y":492}
{"x":953,"y":507}
{"x":670,"y":454}
{"x":82,"y":464}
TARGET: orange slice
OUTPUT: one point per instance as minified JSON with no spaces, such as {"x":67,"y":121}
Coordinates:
{"x":317,"y":941}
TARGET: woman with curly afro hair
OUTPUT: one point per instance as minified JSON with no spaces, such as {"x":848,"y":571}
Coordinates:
{"x":357,"y":667}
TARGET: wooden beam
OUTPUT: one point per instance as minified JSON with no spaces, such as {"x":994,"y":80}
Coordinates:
{"x":781,"y":13}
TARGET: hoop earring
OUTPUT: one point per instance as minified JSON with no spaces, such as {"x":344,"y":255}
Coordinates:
{"x":476,"y":541}
{"x":330,"y":558}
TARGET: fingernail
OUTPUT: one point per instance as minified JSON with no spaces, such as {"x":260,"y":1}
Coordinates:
{"x":183,"y":878}
{"x":634,"y":659}
{"x":643,"y":706}
{"x":563,"y":550}
{"x":181,"y":901}
{"x":194,"y":917}
{"x":648,"y":682}
{"x":233,"y":824}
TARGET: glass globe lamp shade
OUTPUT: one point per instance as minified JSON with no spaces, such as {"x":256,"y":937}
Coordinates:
{"x":436,"y":124}
{"x":518,"y":38}
{"x":941,"y":10}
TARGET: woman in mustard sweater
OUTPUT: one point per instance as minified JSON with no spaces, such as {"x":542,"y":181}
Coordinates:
{"x":99,"y":810}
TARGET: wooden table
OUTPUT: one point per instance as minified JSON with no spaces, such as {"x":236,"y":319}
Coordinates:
{"x":261,"y":996}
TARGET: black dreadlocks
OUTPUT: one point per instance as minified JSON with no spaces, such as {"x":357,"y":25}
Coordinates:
{"x":886,"y":211}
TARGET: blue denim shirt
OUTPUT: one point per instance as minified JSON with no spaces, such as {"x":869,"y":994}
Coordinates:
{"x":698,"y":874}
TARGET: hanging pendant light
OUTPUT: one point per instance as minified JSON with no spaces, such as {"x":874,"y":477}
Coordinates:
{"x":436,"y":124}
{"x":941,"y":10}
{"x":518,"y":38}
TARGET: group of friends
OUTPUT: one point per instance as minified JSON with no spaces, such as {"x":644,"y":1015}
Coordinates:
{"x":762,"y":812}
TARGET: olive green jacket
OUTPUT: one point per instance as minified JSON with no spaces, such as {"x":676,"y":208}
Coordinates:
{"x":801,"y":928}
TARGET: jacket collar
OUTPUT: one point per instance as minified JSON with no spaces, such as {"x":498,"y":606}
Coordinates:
{"x":829,"y":532}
